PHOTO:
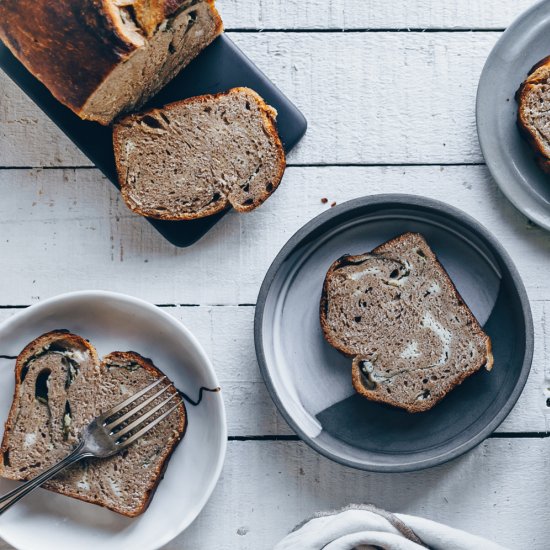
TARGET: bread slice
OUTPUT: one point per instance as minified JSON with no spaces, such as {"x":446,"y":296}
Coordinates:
{"x":533,"y":99}
{"x":195,"y":158}
{"x":60,"y":386}
{"x":104,"y":57}
{"x":397,"y":313}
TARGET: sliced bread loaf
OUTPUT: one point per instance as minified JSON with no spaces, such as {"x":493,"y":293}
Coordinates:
{"x":104,"y":57}
{"x":533,"y":99}
{"x":396,"y":312}
{"x":60,"y":386}
{"x":195,"y":158}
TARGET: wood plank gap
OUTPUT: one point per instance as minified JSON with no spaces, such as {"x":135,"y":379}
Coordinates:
{"x":77,"y":167}
{"x":263,"y":438}
{"x":382,"y":164}
{"x":289,"y":165}
{"x":500,"y":435}
{"x":21,"y":306}
{"x":520,"y":435}
{"x":361,"y":30}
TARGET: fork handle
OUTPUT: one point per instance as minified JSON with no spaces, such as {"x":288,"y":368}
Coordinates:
{"x":9,"y":499}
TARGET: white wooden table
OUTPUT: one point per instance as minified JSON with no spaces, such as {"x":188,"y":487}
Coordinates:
{"x":390,"y":103}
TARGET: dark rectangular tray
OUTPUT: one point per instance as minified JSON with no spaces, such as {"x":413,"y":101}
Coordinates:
{"x":218,"y":68}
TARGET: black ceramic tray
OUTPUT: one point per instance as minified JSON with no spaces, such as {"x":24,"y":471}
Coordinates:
{"x":311,"y":382}
{"x":220,"y":67}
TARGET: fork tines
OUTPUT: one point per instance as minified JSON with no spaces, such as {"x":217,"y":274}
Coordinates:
{"x":124,"y":436}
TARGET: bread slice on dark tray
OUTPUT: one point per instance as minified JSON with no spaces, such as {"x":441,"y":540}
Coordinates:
{"x":533,"y":99}
{"x":195,"y":158}
{"x":60,"y":386}
{"x":397,"y":313}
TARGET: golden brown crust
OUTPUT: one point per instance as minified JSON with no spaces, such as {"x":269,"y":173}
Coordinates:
{"x":72,"y":46}
{"x":538,"y":74}
{"x":73,"y":340}
{"x":268,"y":116}
{"x":75,"y":44}
{"x":357,"y":376}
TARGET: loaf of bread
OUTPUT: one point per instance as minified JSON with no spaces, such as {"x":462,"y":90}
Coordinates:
{"x":396,"y":312}
{"x":533,"y":99}
{"x":104,"y":57}
{"x":197,"y":157}
{"x":60,"y":386}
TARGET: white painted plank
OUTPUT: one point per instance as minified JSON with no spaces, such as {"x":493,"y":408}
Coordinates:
{"x":74,"y":224}
{"x":370,"y":14}
{"x":274,"y":486}
{"x":499,"y":490}
{"x":227,"y":336}
{"x":372,"y":98}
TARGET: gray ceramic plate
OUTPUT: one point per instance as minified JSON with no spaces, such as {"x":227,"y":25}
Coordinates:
{"x":508,"y":157}
{"x":311,"y":382}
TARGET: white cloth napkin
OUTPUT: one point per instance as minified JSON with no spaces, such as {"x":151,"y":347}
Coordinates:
{"x":366,"y":527}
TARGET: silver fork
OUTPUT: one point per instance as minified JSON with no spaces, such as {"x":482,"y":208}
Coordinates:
{"x":99,"y":438}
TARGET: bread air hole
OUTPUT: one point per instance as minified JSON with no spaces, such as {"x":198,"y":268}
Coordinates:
{"x":24,"y":371}
{"x":269,"y":187}
{"x":152,"y":122}
{"x":6,"y":458}
{"x":424,"y":395}
{"x":41,"y":386}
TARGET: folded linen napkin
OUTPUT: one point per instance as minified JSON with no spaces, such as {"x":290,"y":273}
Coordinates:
{"x":365,"y":527}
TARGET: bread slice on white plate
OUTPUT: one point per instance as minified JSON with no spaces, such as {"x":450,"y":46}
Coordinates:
{"x":106,"y":57}
{"x":197,"y":157}
{"x":60,"y":386}
{"x":397,"y":313}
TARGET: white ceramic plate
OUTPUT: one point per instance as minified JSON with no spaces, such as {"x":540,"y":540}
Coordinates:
{"x":508,"y":157}
{"x":48,"y":521}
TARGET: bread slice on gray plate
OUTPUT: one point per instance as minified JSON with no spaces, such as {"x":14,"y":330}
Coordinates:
{"x":397,"y":313}
{"x":102,"y":58}
{"x":533,"y":99}
{"x":60,"y":386}
{"x":195,"y":158}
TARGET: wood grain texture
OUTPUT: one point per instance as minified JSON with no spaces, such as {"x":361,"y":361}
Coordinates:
{"x":370,"y":14}
{"x":226,"y":334}
{"x":280,"y":484}
{"x":64,"y":230}
{"x":73,"y":222}
{"x":429,"y":117}
{"x":498,"y":490}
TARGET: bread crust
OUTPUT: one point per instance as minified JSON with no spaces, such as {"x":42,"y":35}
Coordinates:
{"x":538,"y":74}
{"x":72,"y":46}
{"x":116,"y":357}
{"x":269,"y":115}
{"x":357,"y":376}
